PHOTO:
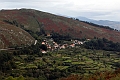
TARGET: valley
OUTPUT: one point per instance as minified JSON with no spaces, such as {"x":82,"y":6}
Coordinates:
{"x":36,"y":45}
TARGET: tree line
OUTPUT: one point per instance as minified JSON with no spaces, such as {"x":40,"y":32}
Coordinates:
{"x":102,"y":44}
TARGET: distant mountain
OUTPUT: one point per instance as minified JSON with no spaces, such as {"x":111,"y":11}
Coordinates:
{"x":112,"y":24}
{"x":15,"y":23}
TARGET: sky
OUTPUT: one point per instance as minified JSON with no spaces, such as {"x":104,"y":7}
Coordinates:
{"x":93,"y":9}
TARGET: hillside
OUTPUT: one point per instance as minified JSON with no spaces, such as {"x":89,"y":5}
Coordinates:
{"x":13,"y":36}
{"x":38,"y":21}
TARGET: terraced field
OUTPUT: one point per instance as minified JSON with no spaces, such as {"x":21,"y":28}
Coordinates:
{"x":70,"y":61}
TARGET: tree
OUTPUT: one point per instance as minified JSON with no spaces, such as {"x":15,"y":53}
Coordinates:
{"x":10,"y":78}
{"x":20,"y":78}
{"x":30,"y":58}
{"x":6,"y":61}
{"x":43,"y":47}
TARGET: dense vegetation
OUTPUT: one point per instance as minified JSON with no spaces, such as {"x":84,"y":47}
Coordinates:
{"x":6,"y":61}
{"x":102,"y":44}
{"x":60,"y":38}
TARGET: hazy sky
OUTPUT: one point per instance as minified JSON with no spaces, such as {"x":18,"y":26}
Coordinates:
{"x":94,"y":9}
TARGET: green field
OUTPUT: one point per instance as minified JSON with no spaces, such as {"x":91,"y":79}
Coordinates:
{"x":65,"y":62}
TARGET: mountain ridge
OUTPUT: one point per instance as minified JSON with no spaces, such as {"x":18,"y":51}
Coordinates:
{"x":112,"y":24}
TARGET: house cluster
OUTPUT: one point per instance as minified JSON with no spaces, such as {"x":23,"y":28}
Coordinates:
{"x":52,"y":45}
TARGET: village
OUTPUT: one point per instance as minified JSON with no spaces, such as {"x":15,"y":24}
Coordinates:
{"x":52,"y":45}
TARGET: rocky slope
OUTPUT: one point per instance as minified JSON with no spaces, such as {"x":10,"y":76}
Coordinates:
{"x":13,"y":36}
